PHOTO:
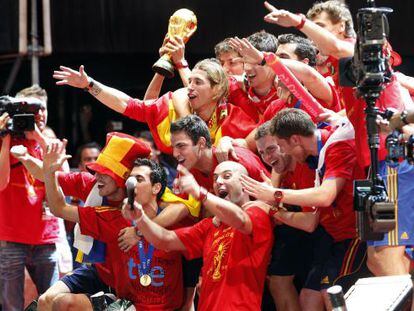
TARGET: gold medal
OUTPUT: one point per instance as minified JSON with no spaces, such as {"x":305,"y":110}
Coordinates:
{"x":145,"y":280}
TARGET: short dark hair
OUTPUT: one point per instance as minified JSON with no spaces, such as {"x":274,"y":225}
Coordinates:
{"x":90,"y":145}
{"x":157,"y":174}
{"x":224,"y":47}
{"x":263,"y":41}
{"x":194,"y":127}
{"x":304,"y":47}
{"x":292,"y":121}
{"x":263,"y":130}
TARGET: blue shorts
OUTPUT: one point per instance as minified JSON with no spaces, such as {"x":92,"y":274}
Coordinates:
{"x":400,"y":184}
{"x":85,"y":280}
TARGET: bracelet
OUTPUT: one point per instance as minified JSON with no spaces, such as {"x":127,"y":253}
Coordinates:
{"x":203,"y":195}
{"x":89,"y":86}
{"x":182,"y":64}
{"x":263,"y":62}
{"x":403,"y":117}
{"x":302,"y":21}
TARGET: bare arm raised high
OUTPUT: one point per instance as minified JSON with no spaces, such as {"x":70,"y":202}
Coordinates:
{"x":327,"y":42}
{"x":113,"y":98}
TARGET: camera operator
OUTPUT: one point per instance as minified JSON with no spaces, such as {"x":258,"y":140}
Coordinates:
{"x":378,"y":89}
{"x":27,"y":232}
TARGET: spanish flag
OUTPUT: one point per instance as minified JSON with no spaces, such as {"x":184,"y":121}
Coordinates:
{"x":194,"y":206}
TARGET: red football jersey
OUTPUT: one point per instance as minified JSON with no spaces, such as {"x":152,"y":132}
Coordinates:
{"x":390,"y":98}
{"x":340,"y":162}
{"x":79,"y":185}
{"x":166,"y":289}
{"x":23,"y":217}
{"x":234,"y":264}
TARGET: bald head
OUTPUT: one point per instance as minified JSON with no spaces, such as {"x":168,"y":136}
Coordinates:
{"x":230,"y":166}
{"x":227,"y":184}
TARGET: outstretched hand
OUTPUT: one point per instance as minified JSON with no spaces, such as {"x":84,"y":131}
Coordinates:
{"x":187,"y":182}
{"x":281,"y":17}
{"x":68,"y":76}
{"x":55,"y":156}
{"x":259,"y":190}
{"x":249,"y":53}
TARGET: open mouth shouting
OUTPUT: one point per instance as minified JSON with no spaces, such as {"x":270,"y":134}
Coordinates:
{"x":274,"y":163}
{"x":222,"y":193}
{"x":250,"y":76}
{"x":191,"y":95}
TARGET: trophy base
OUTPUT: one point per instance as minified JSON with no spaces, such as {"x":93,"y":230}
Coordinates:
{"x":164,"y":67}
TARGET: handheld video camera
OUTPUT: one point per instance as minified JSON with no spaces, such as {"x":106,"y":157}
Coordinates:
{"x":22,"y":113}
{"x":369,"y":71}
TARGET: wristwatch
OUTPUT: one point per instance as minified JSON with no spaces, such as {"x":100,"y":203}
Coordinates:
{"x":181,"y":64}
{"x":403,"y":117}
{"x":278,"y":196}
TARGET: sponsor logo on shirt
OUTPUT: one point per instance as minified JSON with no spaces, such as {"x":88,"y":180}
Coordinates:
{"x":156,"y":273}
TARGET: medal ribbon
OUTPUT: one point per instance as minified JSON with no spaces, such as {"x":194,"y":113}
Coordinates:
{"x":145,"y":258}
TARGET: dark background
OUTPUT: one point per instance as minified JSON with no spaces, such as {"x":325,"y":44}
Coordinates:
{"x":118,"y":41}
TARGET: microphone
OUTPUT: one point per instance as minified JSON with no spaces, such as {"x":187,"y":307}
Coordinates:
{"x":130,"y":187}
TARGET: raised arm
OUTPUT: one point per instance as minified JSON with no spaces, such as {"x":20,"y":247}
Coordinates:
{"x":314,"y":82}
{"x":325,"y":41}
{"x":52,"y":162}
{"x":155,"y":234}
{"x":154,"y":88}
{"x":32,"y":164}
{"x":113,"y":98}
{"x":226,"y":211}
{"x":176,"y":48}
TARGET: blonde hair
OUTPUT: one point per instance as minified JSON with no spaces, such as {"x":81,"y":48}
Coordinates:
{"x":337,"y":11}
{"x":33,"y":91}
{"x":216,"y":76}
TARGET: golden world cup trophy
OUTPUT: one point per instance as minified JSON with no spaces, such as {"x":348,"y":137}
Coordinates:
{"x":183,"y":23}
